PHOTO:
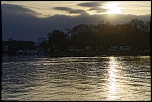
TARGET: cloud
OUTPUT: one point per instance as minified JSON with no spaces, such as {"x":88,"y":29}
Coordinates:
{"x":16,"y":9}
{"x":70,"y":10}
{"x":25,"y":26}
{"x":90,"y":4}
{"x":98,"y":9}
{"x":94,"y":6}
{"x":62,"y":8}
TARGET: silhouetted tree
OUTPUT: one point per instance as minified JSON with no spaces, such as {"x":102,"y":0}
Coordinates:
{"x":57,"y":40}
{"x":44,"y":45}
{"x":135,"y":33}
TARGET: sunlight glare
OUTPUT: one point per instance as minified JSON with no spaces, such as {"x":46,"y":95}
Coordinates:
{"x":112,"y":78}
{"x":113,"y":8}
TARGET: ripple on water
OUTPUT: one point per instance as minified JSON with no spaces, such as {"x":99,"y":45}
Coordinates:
{"x":121,"y":78}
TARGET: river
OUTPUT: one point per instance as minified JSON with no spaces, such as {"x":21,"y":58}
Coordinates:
{"x":101,"y":78}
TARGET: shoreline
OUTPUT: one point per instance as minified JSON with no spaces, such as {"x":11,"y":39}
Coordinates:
{"x":92,"y":54}
{"x":83,"y":54}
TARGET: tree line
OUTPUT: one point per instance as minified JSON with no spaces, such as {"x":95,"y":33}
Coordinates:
{"x":13,"y":46}
{"x":98,"y":37}
{"x":101,"y":36}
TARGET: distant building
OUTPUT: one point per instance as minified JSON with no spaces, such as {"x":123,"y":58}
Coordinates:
{"x":20,"y":52}
{"x":125,"y":48}
{"x":5,"y":48}
{"x":41,"y":39}
{"x":10,"y":39}
{"x":120,"y":48}
{"x":114,"y":48}
{"x":35,"y":44}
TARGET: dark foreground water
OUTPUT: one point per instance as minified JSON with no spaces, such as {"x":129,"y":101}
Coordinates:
{"x":76,"y":78}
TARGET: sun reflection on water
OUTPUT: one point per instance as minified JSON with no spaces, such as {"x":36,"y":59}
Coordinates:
{"x":112,"y":78}
{"x":113,"y":84}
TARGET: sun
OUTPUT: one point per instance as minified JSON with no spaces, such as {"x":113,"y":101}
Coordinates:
{"x":113,"y":8}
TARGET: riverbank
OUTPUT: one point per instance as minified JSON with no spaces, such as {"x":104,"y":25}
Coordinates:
{"x":96,"y":53}
{"x":82,"y":54}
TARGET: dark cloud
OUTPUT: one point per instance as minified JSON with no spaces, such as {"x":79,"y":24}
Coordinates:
{"x":16,"y":9}
{"x":94,"y":6}
{"x":77,"y":11}
{"x":98,"y":9}
{"x":62,"y":8}
{"x":90,"y":4}
{"x":23,"y":26}
{"x":70,"y":10}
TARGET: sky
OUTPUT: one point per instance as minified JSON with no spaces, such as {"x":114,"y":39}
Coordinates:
{"x":29,"y":20}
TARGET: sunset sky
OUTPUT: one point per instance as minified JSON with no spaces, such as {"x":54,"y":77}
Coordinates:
{"x":49,"y":15}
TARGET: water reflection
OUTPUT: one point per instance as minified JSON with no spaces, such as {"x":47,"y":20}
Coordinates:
{"x":77,"y":78}
{"x":113,"y":85}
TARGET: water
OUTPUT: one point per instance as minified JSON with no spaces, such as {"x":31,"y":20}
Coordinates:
{"x":121,"y":78}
